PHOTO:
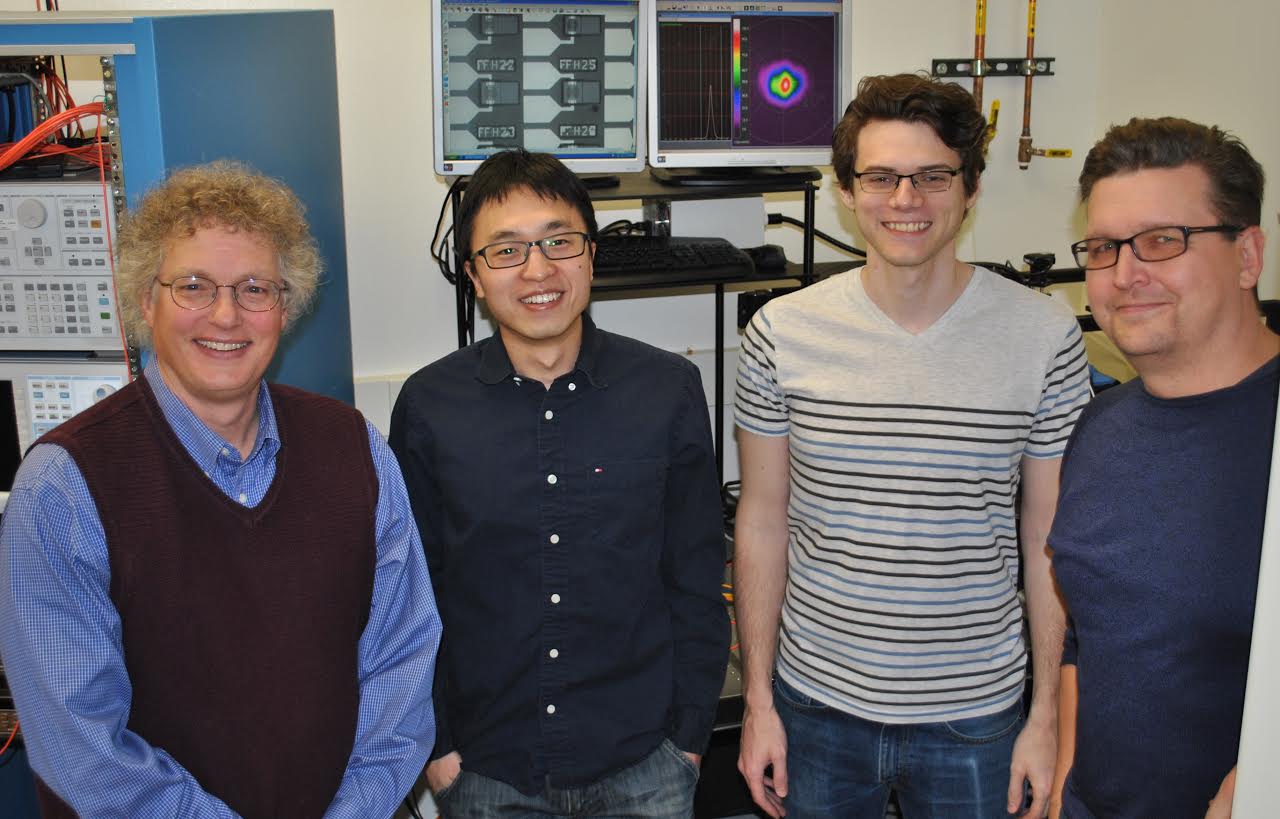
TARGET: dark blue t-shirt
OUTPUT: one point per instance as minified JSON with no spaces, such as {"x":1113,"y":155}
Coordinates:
{"x":1156,"y":546}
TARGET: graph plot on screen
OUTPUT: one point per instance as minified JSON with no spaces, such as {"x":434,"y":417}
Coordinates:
{"x":697,"y":83}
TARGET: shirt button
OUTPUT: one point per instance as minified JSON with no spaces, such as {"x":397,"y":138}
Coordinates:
{"x":553,"y":653}
{"x":551,"y":478}
{"x":572,"y":386}
{"x":554,"y":538}
{"x":551,"y":709}
{"x":548,"y":415}
{"x":244,"y":498}
{"x":224,"y":451}
{"x":555,"y":599}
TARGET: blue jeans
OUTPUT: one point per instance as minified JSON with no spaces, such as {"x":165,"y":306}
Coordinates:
{"x":660,"y":786}
{"x":841,"y":766}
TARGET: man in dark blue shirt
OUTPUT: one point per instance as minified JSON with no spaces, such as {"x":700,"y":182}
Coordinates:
{"x":563,"y":479}
{"x":1158,"y":533}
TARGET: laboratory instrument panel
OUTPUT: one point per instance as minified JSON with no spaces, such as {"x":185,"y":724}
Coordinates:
{"x":55,"y":267}
{"x":48,"y":391}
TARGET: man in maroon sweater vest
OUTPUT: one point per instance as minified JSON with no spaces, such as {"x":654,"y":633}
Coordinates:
{"x":213,"y":596}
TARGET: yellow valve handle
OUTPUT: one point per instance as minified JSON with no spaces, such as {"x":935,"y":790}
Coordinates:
{"x":991,"y":124}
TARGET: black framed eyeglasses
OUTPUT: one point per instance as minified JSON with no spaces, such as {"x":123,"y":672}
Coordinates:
{"x":1153,"y":245}
{"x":935,"y":180}
{"x":513,"y":254}
{"x":197,"y":292}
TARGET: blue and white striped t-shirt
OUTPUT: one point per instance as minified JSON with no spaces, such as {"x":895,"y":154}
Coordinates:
{"x":901,"y":602}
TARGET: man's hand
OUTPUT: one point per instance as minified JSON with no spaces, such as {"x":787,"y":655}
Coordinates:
{"x":696,"y":759}
{"x":764,"y":743}
{"x":441,"y":772}
{"x":1220,"y":807}
{"x":1033,"y":757}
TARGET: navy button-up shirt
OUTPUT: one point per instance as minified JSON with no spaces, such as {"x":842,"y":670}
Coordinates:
{"x":575,"y":542}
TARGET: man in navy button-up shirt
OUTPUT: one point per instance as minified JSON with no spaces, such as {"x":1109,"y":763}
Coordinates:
{"x":563,"y":479}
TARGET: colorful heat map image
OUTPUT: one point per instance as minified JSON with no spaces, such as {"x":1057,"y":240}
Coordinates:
{"x":782,"y":84}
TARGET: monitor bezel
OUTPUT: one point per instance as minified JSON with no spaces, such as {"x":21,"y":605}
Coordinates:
{"x":746,"y":157}
{"x":597,"y":165}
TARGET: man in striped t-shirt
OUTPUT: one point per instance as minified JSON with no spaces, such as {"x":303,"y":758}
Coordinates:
{"x":900,"y":431}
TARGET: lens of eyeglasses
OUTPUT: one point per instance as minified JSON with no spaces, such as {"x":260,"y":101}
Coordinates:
{"x":933,"y":181}
{"x":511,"y":254}
{"x":197,"y":293}
{"x":1160,"y":244}
{"x":1093,"y":254}
{"x":257,"y":294}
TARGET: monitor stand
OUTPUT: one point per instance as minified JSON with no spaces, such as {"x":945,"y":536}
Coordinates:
{"x":728,"y":177}
{"x":595,"y":181}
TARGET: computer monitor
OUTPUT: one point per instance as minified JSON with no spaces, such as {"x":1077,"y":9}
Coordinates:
{"x":747,"y":84}
{"x":561,"y":77}
{"x":38,"y":392}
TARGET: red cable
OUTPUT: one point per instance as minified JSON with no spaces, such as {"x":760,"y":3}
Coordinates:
{"x":51,"y":125}
{"x":9,"y":741}
{"x":85,"y":153}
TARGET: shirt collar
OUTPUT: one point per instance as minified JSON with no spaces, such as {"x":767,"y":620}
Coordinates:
{"x":203,"y":444}
{"x":495,"y":364}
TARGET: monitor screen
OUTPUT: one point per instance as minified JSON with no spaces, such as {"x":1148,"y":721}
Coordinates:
{"x":747,"y":83}
{"x":559,"y":77}
{"x":40,"y":393}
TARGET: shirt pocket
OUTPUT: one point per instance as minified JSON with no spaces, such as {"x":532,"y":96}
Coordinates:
{"x":625,"y":499}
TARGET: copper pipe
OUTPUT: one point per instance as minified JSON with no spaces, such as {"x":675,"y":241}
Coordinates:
{"x":979,"y":50}
{"x":1024,"y":142}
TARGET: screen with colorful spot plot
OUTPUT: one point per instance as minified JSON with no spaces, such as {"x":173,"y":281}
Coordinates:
{"x":754,"y":84}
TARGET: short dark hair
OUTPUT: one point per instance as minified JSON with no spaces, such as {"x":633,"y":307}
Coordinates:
{"x":948,"y":109}
{"x":505,"y":172}
{"x":1170,"y":142}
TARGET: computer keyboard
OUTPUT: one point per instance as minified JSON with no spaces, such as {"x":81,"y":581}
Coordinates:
{"x":674,"y":258}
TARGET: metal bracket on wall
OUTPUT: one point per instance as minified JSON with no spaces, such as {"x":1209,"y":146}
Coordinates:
{"x":119,"y":204}
{"x":111,"y":113}
{"x":993,"y":67}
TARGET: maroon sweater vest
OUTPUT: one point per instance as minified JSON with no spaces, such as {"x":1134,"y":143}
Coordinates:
{"x":240,"y":626}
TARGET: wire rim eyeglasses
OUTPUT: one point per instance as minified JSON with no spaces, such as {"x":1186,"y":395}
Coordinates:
{"x":1156,"y":244}
{"x":498,"y":255}
{"x":934,"y":180}
{"x":197,"y":292}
